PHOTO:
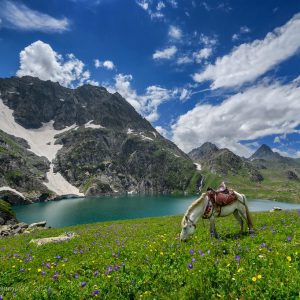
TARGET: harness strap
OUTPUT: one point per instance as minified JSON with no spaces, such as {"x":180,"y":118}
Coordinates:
{"x":191,"y":221}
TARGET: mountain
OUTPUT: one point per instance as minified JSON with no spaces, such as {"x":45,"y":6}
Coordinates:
{"x":204,"y":152}
{"x":266,"y":153}
{"x":83,"y":141}
{"x":265,"y":175}
{"x":223,"y":162}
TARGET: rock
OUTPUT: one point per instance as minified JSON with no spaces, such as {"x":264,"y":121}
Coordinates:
{"x":56,"y":239}
{"x":22,"y":225}
{"x":2,"y":221}
{"x":38,"y":224}
{"x":291,"y":175}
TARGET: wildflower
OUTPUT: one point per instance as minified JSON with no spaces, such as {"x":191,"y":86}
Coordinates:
{"x":83,"y":284}
{"x":263,"y":245}
{"x":259,"y":276}
{"x":43,"y":273}
{"x":1,"y":297}
{"x":193,"y":259}
{"x":237,"y":258}
{"x":58,"y":257}
{"x":161,"y":253}
{"x":253,"y":278}
{"x":76,"y":276}
{"x":239,"y":270}
{"x":96,"y":273}
{"x":117,"y":268}
{"x":22,"y":270}
{"x":289,"y":258}
{"x":192,"y":251}
{"x":95,"y":292}
{"x":190,"y":266}
{"x":39,"y":270}
{"x":289,"y":238}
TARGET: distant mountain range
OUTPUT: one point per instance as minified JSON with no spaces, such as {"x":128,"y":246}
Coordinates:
{"x":57,"y":141}
{"x":266,"y":174}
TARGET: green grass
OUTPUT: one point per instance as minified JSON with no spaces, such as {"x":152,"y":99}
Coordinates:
{"x":6,"y":208}
{"x":151,"y":263}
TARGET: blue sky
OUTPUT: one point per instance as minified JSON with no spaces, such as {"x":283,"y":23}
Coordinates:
{"x":219,"y":71}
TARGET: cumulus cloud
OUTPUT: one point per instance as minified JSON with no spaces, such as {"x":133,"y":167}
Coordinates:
{"x":19,"y":16}
{"x":167,"y":53}
{"x":162,"y":131}
{"x":202,"y":54}
{"x":175,"y":32}
{"x":40,"y":60}
{"x":249,"y":61}
{"x":154,"y":12}
{"x":182,"y":60}
{"x":107,"y":64}
{"x":147,"y":103}
{"x":257,"y":112}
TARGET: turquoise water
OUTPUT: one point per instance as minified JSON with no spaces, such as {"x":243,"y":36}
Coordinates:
{"x":96,"y":209}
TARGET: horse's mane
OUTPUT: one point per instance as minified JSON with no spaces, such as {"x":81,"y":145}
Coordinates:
{"x":192,"y":206}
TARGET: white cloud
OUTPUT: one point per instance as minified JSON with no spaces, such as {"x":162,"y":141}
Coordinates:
{"x":19,"y":16}
{"x":184,"y":60}
{"x":277,"y":139}
{"x":146,"y":104}
{"x":144,"y":4}
{"x":208,"y":41}
{"x":202,"y":54}
{"x":248,"y":61}
{"x":175,"y":32}
{"x":243,"y":30}
{"x":40,"y":60}
{"x":160,"y":5}
{"x":167,"y":53}
{"x":162,"y":131}
{"x":185,"y":94}
{"x":173,"y":3}
{"x":257,"y":112}
{"x":107,"y":64}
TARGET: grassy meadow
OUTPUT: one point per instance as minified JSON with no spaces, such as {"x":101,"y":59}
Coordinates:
{"x":143,"y":259}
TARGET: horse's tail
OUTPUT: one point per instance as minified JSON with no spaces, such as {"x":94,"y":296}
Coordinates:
{"x":249,"y":218}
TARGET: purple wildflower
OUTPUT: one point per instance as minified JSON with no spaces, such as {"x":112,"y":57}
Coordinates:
{"x":96,"y":273}
{"x":193,"y":259}
{"x":22,"y":270}
{"x":190,"y":266}
{"x":95,"y":292}
{"x":1,"y":297}
{"x":48,"y":266}
{"x":55,"y":276}
{"x":237,"y":258}
{"x":263,"y":245}
{"x":58,"y":257}
{"x":192,"y":252}
{"x":83,"y":284}
{"x":43,"y":273}
{"x":289,"y":238}
{"x":76,"y":275}
{"x":117,"y":268}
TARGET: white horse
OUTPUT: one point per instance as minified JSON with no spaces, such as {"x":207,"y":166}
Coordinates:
{"x":203,"y":208}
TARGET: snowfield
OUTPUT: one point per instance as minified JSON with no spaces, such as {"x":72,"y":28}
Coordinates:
{"x":42,"y":143}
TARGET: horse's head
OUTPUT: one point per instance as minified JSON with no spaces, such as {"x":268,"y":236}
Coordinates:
{"x":187,"y":228}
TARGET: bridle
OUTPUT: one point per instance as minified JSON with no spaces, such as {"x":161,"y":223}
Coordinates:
{"x":191,"y":221}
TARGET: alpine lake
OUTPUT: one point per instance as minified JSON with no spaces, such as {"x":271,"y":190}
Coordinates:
{"x":67,"y":212}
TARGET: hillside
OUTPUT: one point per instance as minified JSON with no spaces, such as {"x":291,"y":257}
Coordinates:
{"x":142,"y":259}
{"x":265,"y":175}
{"x":91,"y":141}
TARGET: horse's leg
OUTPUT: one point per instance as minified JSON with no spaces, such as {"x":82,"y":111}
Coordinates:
{"x":213,"y":232}
{"x":239,"y":219}
{"x":243,"y":213}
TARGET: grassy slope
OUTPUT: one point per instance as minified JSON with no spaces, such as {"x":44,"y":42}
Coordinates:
{"x":275,"y":185}
{"x":154,"y":265}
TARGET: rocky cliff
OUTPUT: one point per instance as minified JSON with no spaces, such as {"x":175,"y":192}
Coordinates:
{"x":83,"y":141}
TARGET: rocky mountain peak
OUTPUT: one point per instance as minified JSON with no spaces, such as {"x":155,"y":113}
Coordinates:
{"x":266,"y":153}
{"x":203,"y":152}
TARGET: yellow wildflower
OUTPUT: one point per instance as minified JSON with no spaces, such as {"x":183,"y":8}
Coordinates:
{"x":259,"y":276}
{"x":161,"y":253}
{"x":253,"y":278}
{"x":39,"y":270}
{"x":289,"y":258}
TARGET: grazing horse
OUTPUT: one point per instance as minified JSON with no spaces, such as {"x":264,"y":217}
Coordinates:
{"x":205,"y":208}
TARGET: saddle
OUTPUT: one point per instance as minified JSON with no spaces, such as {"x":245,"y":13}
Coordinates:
{"x":221,"y":197}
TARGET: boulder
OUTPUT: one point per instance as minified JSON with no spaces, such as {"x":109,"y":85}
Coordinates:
{"x":38,"y":224}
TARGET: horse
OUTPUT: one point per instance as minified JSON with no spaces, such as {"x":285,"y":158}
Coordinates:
{"x":204,"y":208}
